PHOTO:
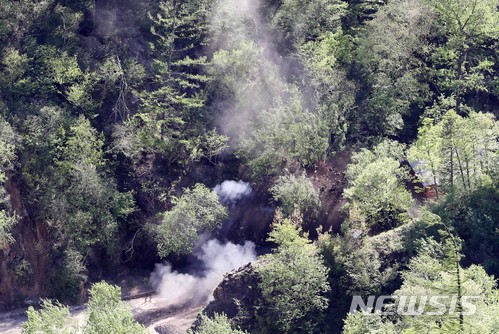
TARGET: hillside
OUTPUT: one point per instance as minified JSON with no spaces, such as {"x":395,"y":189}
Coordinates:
{"x":345,"y":149}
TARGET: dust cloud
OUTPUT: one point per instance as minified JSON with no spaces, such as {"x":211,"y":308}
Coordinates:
{"x":175,"y":288}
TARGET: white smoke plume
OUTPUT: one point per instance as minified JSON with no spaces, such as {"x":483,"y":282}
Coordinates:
{"x":179,"y":288}
{"x":258,"y":90}
{"x":230,"y":191}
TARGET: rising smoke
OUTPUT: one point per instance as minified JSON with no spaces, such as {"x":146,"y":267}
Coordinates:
{"x":176,"y":288}
{"x":230,"y":192}
{"x":246,"y":63}
{"x":251,"y":78}
{"x":263,"y":103}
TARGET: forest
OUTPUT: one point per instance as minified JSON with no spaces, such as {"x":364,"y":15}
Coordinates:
{"x":321,"y":151}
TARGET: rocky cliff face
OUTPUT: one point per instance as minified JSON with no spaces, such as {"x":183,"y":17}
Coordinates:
{"x":23,"y":263}
{"x":236,"y":296}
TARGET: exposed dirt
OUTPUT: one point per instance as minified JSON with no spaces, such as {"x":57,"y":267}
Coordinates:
{"x":12,"y":324}
{"x":182,"y":320}
{"x":330,"y":179}
{"x":150,"y":310}
{"x":23,"y":263}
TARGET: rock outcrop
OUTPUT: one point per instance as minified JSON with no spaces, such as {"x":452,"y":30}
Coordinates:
{"x":236,"y":296}
{"x":23,"y":263}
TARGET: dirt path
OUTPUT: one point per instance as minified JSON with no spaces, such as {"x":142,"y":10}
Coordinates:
{"x":177,"y":322}
{"x":150,"y":311}
{"x":12,"y":325}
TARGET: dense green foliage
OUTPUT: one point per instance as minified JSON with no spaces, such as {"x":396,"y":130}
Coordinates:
{"x":433,"y":273}
{"x":51,"y":319}
{"x":376,"y":185}
{"x":117,"y":118}
{"x":106,"y":312}
{"x":295,"y":193}
{"x":459,"y":152}
{"x":475,"y":218}
{"x":293,"y":281}
{"x":196,"y":211}
{"x":7,"y":156}
{"x":218,"y":325}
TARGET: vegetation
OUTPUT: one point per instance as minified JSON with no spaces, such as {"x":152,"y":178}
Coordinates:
{"x":433,"y":273}
{"x":293,"y":280}
{"x":105,"y":311}
{"x":374,"y":119}
{"x":458,"y":151}
{"x":52,"y":318}
{"x":7,"y":156}
{"x":377,"y":185}
{"x":218,"y":325}
{"x":295,"y":193}
{"x":196,"y":212}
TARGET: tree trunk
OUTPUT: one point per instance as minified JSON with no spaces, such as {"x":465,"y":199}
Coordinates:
{"x":463,"y":55}
{"x":460,"y":168}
